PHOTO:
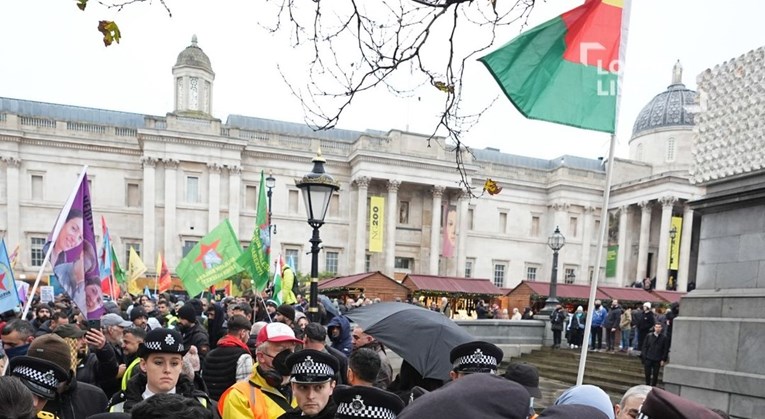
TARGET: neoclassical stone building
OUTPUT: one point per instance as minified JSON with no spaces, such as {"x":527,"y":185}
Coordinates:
{"x":162,"y":182}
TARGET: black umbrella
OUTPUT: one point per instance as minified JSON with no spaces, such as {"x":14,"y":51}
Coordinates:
{"x":422,"y":337}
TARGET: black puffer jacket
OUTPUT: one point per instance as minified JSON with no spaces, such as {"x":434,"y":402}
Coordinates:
{"x":78,"y":401}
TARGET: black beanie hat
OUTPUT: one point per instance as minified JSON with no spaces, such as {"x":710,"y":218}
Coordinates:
{"x":287,"y":311}
{"x":187,"y":312}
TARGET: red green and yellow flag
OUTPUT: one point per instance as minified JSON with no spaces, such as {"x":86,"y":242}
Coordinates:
{"x":566,"y":70}
{"x":212,"y":260}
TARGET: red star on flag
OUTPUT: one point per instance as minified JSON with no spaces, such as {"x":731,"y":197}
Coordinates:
{"x":2,"y":281}
{"x":206,"y":248}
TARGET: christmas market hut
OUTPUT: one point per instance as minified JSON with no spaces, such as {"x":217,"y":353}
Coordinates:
{"x":462,"y":293}
{"x":369,"y":284}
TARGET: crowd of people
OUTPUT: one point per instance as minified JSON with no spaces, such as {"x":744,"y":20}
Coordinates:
{"x":254,"y":358}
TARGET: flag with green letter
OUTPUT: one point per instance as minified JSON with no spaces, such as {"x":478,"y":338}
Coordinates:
{"x":212,"y":260}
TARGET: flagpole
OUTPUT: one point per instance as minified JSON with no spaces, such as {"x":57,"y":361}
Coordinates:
{"x":56,"y":230}
{"x":598,"y":259}
{"x":156,"y":277}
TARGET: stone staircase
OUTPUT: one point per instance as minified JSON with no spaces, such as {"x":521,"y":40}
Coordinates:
{"x":613,"y":372}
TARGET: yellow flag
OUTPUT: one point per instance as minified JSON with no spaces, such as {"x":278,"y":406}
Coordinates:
{"x":136,"y":268}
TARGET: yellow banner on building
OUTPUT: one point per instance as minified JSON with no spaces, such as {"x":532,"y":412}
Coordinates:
{"x":675,"y":229}
{"x":376,"y":217}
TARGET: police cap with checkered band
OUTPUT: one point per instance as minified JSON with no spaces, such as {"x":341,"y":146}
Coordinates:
{"x":42,"y":377}
{"x":476,"y":357}
{"x":162,"y":341}
{"x":309,"y":366}
{"x":366,"y":402}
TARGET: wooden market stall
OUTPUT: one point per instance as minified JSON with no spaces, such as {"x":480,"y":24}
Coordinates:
{"x":463,"y":293}
{"x":370,"y":284}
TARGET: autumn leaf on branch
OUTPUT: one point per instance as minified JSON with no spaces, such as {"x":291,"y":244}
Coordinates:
{"x":446,"y":88}
{"x":82,"y":4}
{"x":110,"y":30}
{"x":491,"y":187}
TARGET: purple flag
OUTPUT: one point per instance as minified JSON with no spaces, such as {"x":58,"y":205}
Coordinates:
{"x":73,"y":257}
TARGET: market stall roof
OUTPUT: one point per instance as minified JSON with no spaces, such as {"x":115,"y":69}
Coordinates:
{"x":670,"y":296}
{"x":450,"y":285}
{"x":630,"y":294}
{"x":343,"y":281}
{"x":581,"y":292}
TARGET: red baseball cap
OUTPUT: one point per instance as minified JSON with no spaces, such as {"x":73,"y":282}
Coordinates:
{"x":277,"y":332}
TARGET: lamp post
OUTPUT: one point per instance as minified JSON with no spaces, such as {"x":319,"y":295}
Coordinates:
{"x":270,"y":184}
{"x":317,"y":188}
{"x":556,"y":242}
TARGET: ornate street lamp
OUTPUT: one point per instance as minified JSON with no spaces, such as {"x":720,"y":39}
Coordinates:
{"x":317,"y":188}
{"x":556,"y":242}
{"x":270,"y":184}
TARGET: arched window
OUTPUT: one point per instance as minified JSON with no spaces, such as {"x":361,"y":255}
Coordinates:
{"x":671,"y":150}
{"x":639,"y":152}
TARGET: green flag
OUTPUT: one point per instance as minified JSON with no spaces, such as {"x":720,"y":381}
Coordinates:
{"x":212,"y":260}
{"x":566,"y":70}
{"x":256,"y":259}
{"x":117,"y":271}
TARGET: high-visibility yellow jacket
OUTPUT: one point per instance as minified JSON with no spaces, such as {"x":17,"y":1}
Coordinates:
{"x":253,"y":399}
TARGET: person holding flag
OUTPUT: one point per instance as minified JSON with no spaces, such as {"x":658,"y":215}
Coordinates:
{"x":105,"y":264}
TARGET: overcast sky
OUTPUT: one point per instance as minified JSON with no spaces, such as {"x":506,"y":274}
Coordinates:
{"x":51,"y":52}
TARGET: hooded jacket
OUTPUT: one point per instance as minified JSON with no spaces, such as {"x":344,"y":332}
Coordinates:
{"x":235,"y":402}
{"x":343,"y":342}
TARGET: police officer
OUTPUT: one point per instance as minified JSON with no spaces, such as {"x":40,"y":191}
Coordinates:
{"x":366,"y":402}
{"x":313,"y":380}
{"x":474,"y":357}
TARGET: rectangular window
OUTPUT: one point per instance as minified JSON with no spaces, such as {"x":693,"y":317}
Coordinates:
{"x":251,"y":197}
{"x":293,"y":201}
{"x":469,"y":263}
{"x":37,"y":253}
{"x":534,"y":226}
{"x":192,"y":189}
{"x":502,"y":222}
{"x":531,"y":273}
{"x":569,"y":275}
{"x":596,"y":230}
{"x":37,"y":189}
{"x":573,"y":222}
{"x":367,"y":262}
{"x":133,"y":195}
{"x":404,"y":263}
{"x":187,"y":246}
{"x":470,"y":218}
{"x":331,"y":262}
{"x":403,"y":212}
{"x":292,"y":258}
{"x":334,"y":205}
{"x":499,"y":275}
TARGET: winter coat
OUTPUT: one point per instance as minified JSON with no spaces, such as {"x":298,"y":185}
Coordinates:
{"x":343,"y":342}
{"x":78,"y":401}
{"x":235,"y":402}
{"x":124,"y":401}
{"x":557,"y":318}
{"x":646,"y":321}
{"x":219,"y":372}
{"x":655,"y":348}
{"x":599,"y":316}
{"x":98,"y":367}
{"x":626,"y":321}
{"x":327,"y":413}
{"x":613,"y":318}
{"x":197,"y":336}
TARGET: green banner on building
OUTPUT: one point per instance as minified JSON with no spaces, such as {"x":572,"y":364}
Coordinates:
{"x":611,"y":261}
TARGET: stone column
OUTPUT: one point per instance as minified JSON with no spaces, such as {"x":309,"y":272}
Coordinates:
{"x":213,"y":195}
{"x":14,"y":208}
{"x":645,"y":238}
{"x":621,"y":257}
{"x":390,"y":227}
{"x":149,"y":205}
{"x":171,"y":235}
{"x":662,"y":267}
{"x":435,"y":229}
{"x":587,"y":235}
{"x":462,"y":233}
{"x":685,"y":249}
{"x":362,"y":183}
{"x":234,"y":196}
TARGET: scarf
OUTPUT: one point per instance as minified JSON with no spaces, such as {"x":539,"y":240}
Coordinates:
{"x":230,"y":341}
{"x":74,"y":345}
